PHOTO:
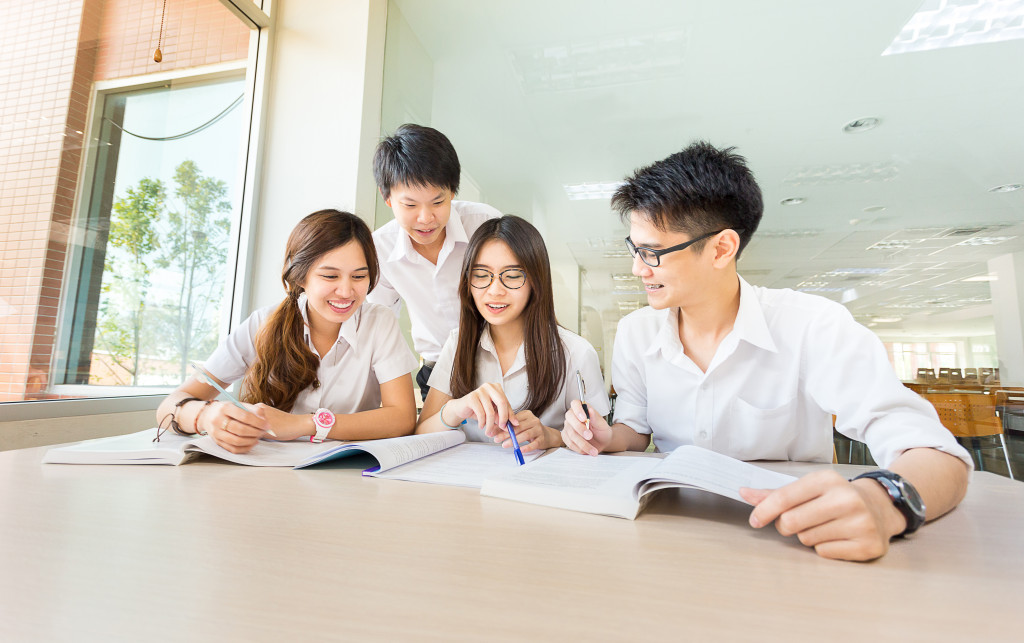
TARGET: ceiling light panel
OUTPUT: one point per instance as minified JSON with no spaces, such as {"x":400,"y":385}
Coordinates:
{"x":606,"y":62}
{"x":954,"y":23}
{"x":584,"y":191}
{"x":850,"y":173}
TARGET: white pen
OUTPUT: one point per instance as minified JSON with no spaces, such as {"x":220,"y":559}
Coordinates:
{"x":203,"y":373}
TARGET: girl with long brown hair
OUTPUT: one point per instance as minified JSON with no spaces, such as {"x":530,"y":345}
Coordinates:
{"x":509,"y":360}
{"x":321,"y":364}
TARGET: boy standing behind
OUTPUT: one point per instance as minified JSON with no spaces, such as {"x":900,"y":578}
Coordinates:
{"x":421,"y":251}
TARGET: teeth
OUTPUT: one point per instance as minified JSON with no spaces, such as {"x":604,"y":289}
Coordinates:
{"x":498,"y":306}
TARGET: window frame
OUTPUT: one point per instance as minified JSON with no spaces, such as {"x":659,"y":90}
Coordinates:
{"x":243,"y":228}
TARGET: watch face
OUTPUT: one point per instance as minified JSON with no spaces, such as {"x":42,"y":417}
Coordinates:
{"x":323,"y":417}
{"x":910,"y":496}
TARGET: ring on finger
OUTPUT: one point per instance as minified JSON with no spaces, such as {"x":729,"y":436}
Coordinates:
{"x":224,"y":426}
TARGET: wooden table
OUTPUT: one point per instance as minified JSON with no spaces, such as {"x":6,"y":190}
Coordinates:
{"x":214,"y":551}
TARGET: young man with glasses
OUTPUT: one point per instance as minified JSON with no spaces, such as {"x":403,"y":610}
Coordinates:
{"x":421,"y":251}
{"x":757,"y":373}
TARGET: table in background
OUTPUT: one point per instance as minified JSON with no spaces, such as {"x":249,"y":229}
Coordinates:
{"x":210,"y":550}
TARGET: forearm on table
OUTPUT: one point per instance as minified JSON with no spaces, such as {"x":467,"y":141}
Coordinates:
{"x":940,"y":478}
{"x":385,"y":422}
{"x":624,"y":438}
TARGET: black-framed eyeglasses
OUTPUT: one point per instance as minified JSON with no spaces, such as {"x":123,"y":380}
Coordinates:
{"x":652,"y":257}
{"x":511,"y":278}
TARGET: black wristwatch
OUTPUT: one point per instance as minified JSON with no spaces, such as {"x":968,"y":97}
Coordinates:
{"x":903,"y":495}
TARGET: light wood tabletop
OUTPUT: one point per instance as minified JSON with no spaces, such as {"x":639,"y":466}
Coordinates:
{"x":215,"y":551}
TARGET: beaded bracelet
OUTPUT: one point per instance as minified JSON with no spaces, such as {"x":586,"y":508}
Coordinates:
{"x":441,"y":416}
{"x":195,"y":424}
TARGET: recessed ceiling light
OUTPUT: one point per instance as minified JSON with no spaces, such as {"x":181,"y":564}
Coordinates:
{"x":874,"y":208}
{"x":889,"y":319}
{"x":982,"y":278}
{"x":862,"y":124}
{"x":583,"y":191}
{"x":951,"y":23}
{"x":1009,"y":187}
{"x":793,"y":200}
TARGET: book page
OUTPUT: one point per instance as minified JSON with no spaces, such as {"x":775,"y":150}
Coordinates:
{"x":594,"y":484}
{"x":714,"y":472}
{"x":134,"y":448}
{"x":391,"y":452}
{"x":466,"y":465}
{"x":267,"y":453}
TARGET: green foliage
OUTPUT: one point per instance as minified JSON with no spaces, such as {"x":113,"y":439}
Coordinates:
{"x":184,"y":240}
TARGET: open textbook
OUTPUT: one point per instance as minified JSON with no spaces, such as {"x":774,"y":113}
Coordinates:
{"x":139,"y":448}
{"x":618,"y":485}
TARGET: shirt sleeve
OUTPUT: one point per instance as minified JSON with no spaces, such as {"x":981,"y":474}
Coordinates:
{"x":628,"y":379}
{"x":441,"y":376}
{"x":385,"y":294}
{"x":849,"y":375}
{"x":391,"y":355}
{"x":237,"y":351}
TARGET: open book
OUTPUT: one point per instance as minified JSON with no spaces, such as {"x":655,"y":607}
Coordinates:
{"x":139,"y":448}
{"x":618,"y":485}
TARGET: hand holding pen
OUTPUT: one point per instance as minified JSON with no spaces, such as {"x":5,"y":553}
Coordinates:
{"x":236,"y":431}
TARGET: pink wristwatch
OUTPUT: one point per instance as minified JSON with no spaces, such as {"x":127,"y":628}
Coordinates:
{"x":323,"y":419}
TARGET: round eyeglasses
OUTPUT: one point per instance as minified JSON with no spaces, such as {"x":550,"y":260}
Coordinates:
{"x":652,"y":257}
{"x":511,"y":278}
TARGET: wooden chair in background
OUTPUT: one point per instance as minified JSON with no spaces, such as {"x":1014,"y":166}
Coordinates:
{"x":971,"y":375}
{"x":971,"y":416}
{"x":926,"y":374}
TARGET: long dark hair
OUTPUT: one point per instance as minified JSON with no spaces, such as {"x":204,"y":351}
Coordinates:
{"x":285,"y":366}
{"x":545,"y":354}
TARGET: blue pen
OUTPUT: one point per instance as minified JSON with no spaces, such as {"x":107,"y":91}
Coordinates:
{"x":515,"y":444}
{"x":203,"y":373}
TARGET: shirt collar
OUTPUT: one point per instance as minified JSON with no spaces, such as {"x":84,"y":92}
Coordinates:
{"x":750,"y":326}
{"x":487,"y":343}
{"x":454,"y":232}
{"x":349,"y":327}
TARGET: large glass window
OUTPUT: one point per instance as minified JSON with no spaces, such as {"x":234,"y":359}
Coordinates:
{"x":884,"y":136}
{"x":121,"y":190}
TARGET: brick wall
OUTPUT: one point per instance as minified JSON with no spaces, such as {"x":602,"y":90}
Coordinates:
{"x":51,"y":52}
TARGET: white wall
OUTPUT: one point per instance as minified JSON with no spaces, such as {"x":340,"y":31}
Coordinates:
{"x":322,"y":123}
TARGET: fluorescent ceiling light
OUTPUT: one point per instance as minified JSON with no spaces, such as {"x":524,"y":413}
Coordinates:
{"x":984,"y":241}
{"x":583,"y":191}
{"x":954,"y":23}
{"x":856,"y":271}
{"x":982,"y":278}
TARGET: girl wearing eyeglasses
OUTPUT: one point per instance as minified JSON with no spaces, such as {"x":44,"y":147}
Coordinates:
{"x":509,"y":360}
{"x":321,"y":364}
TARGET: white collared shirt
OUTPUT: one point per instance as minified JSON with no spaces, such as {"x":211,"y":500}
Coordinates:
{"x":791,"y":361}
{"x":430,"y":291}
{"x":369,"y":350}
{"x":579,"y":355}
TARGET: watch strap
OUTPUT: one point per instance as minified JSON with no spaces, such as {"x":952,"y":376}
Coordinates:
{"x":897,"y":487}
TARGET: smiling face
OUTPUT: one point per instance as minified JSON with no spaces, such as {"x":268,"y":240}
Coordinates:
{"x":336,"y":286}
{"x":422,"y":212}
{"x":497,"y":303}
{"x":682,"y":277}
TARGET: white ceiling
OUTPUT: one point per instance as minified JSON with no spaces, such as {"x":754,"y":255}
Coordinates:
{"x":537,"y":94}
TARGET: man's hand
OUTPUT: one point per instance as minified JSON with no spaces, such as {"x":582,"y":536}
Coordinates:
{"x":840,"y":519}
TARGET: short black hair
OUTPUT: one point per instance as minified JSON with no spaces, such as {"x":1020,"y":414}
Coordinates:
{"x":699,"y":190}
{"x":416,"y":155}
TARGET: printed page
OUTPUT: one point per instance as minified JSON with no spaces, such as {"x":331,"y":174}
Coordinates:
{"x":134,"y":448}
{"x":466,"y":465}
{"x":698,"y":467}
{"x":602,"y":484}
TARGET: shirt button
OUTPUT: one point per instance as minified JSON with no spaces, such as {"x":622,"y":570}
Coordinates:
{"x":703,"y":435}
